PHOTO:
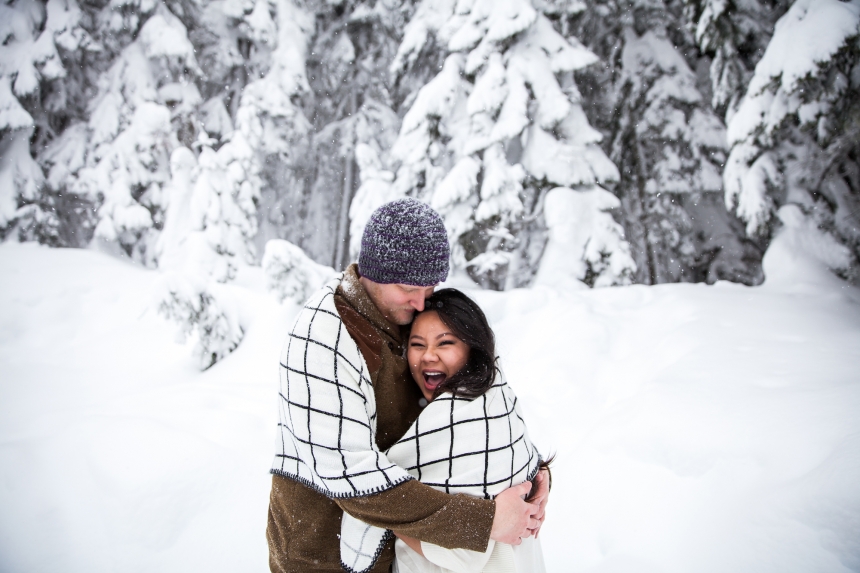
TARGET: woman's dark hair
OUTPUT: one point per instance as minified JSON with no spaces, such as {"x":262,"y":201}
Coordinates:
{"x":468,"y":323}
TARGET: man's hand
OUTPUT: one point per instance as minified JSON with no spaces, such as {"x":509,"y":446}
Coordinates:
{"x":514,"y":518}
{"x":540,"y":498}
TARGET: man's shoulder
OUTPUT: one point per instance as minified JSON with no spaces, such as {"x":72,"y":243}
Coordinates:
{"x":323,"y":296}
{"x":320,"y":336}
{"x":318,"y":317}
{"x":362,"y":331}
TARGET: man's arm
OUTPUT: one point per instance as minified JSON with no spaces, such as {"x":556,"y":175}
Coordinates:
{"x":450,"y":521}
{"x":418,"y":510}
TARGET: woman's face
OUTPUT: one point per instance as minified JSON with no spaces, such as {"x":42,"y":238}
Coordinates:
{"x":434,"y":353}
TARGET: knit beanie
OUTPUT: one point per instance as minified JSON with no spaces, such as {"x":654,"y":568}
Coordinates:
{"x":404,"y":242}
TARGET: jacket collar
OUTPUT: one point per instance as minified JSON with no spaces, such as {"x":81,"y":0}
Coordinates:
{"x":353,"y":292}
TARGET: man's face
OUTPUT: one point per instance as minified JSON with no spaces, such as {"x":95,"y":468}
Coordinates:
{"x":397,"y":302}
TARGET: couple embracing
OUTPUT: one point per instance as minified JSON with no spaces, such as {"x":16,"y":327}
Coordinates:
{"x":400,"y":446}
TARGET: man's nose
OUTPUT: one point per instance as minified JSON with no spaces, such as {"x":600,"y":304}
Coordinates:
{"x":417,"y":302}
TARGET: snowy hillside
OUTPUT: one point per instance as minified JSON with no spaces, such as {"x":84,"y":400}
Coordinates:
{"x":697,"y":428}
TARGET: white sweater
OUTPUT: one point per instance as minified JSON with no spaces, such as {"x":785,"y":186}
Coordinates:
{"x":499,"y":558}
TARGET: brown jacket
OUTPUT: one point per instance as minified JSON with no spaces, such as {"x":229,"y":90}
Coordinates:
{"x":304,"y":526}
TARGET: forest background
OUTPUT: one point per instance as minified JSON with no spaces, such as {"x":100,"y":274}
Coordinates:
{"x":597,"y":142}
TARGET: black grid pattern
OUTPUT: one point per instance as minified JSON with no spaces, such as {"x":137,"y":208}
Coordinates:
{"x":477,"y":447}
{"x":327,"y":408}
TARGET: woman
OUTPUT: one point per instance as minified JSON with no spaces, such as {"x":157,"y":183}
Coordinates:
{"x":470,"y":438}
{"x":451,"y":354}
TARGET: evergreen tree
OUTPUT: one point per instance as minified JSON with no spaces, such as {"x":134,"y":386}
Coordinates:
{"x":205,"y":312}
{"x":308,"y":198}
{"x":734,"y":33}
{"x":46,"y":61}
{"x":129,"y":136}
{"x":795,"y":134}
{"x":667,"y":140}
{"x":499,"y":126}
{"x":290,"y":274}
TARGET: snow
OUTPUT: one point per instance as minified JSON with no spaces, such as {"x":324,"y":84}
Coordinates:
{"x":578,"y":222}
{"x":164,"y":35}
{"x":430,"y":16}
{"x":563,"y":163}
{"x":290,"y":274}
{"x":12,"y":115}
{"x":126,"y":458}
{"x":492,"y":21}
{"x":697,"y":428}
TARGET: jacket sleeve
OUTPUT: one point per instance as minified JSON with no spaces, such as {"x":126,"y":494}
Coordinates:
{"x":418,"y":510}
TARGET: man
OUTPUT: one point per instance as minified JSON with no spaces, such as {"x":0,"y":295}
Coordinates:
{"x":346,"y":396}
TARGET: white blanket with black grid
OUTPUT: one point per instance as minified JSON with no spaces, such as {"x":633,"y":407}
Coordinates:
{"x":328,"y":408}
{"x":477,"y":447}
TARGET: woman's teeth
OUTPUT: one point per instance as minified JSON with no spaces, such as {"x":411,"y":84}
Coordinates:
{"x":433,"y":379}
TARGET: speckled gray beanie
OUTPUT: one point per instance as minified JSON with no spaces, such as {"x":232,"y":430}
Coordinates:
{"x":404,"y":242}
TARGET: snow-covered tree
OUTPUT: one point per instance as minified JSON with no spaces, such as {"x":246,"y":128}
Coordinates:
{"x":291,"y":274}
{"x":734,"y":33}
{"x":794,"y":138}
{"x":671,"y":146}
{"x":376,"y":190}
{"x":44,"y":57}
{"x":667,"y":140}
{"x":205,"y":312}
{"x":578,"y":222}
{"x":499,"y":126}
{"x":129,"y":136}
{"x":351,"y":104}
{"x":295,"y":120}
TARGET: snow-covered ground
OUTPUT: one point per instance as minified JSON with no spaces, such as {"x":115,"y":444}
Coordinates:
{"x":696,"y":428}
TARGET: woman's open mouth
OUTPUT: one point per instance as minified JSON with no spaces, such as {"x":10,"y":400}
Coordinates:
{"x":432,"y":379}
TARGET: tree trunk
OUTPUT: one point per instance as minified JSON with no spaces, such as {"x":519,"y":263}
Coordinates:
{"x":341,"y":258}
{"x":639,"y":213}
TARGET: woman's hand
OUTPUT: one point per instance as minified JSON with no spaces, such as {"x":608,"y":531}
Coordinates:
{"x":540,"y":498}
{"x":514,"y":518}
{"x":414,"y":544}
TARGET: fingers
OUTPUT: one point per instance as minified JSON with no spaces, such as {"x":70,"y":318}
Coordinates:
{"x":525,"y":535}
{"x":542,"y":494}
{"x":537,"y":522}
{"x":523,"y":489}
{"x":514,"y":517}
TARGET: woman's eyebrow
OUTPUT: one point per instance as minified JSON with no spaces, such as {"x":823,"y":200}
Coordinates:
{"x":445,"y":334}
